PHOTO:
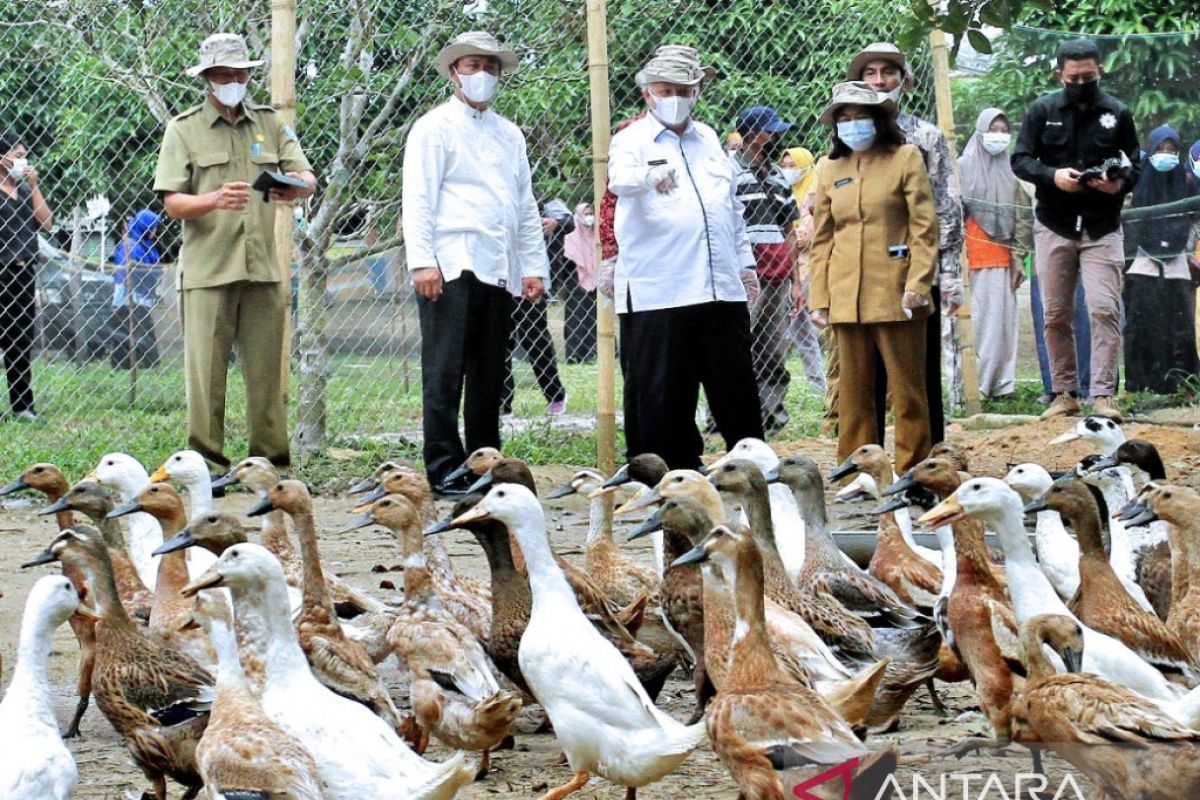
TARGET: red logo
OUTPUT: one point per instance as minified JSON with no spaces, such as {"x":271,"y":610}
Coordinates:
{"x":845,"y":771}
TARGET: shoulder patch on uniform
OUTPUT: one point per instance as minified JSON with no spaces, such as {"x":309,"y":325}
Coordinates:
{"x":290,"y":133}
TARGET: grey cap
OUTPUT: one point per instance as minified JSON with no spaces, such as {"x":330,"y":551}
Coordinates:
{"x":475,"y":43}
{"x":223,"y":50}
{"x":879,"y":51}
{"x":674,"y":63}
{"x":855,"y":93}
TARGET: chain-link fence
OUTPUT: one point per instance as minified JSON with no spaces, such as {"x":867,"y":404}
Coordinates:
{"x":90,"y":85}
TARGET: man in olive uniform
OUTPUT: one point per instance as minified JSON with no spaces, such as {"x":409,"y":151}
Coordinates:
{"x":229,"y":279}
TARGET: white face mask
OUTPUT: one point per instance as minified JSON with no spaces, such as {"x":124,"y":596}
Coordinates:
{"x":589,"y":220}
{"x":229,"y":94}
{"x":18,"y":169}
{"x":673,"y":110}
{"x":996,"y":143}
{"x":479,"y":87}
{"x":794,"y":175}
{"x":894,"y":94}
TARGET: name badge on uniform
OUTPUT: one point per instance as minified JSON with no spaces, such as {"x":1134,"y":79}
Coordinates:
{"x":898,"y":251}
{"x":843,"y":182}
{"x":255,"y":150}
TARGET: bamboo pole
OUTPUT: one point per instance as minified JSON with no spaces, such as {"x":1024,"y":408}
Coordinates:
{"x":606,"y":341}
{"x":283,"y":99}
{"x":945,"y":115}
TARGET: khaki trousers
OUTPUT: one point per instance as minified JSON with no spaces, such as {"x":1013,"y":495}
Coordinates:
{"x":250,"y":316}
{"x":901,"y":346}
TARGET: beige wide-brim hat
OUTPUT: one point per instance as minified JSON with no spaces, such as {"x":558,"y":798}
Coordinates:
{"x":856,"y":93}
{"x":879,"y":51}
{"x":223,"y":50}
{"x":475,"y":43}
{"x":675,"y":63}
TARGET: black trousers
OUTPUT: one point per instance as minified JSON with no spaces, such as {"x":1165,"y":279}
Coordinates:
{"x":531,"y":334}
{"x":464,"y":339}
{"x":18,"y":286}
{"x":666,"y":356}
{"x":933,"y":377}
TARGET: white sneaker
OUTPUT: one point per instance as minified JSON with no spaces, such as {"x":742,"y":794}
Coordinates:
{"x":26,"y":415}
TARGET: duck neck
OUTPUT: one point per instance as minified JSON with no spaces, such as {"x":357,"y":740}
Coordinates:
{"x":945,"y":537}
{"x":274,"y":532}
{"x":31,"y":677}
{"x":751,"y":654}
{"x":971,"y":549}
{"x":599,"y":532}
{"x":675,"y":544}
{"x":821,"y":548}
{"x":1028,"y":586}
{"x":510,"y":588}
{"x":172,"y":567}
{"x":65,"y":518}
{"x":1037,"y":665}
{"x":267,"y":645}
{"x":229,"y":668}
{"x":103,"y":587}
{"x":546,"y":580}
{"x":758,"y":515}
{"x":200,"y":498}
{"x":316,"y":593}
{"x":1087,"y":532}
{"x":417,"y":581}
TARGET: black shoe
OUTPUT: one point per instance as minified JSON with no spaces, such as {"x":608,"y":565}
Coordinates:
{"x":455,"y":489}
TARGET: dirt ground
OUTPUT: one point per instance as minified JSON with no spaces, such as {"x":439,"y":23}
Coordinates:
{"x":106,"y":770}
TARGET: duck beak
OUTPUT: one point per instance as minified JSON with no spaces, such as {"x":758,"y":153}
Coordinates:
{"x":847,"y":467}
{"x":619,"y":478}
{"x":647,"y":498}
{"x":648,"y":527}
{"x":365,"y":485}
{"x":1108,"y":462}
{"x":772,"y":475}
{"x":378,"y":493}
{"x":1069,"y":436}
{"x":709,"y":469}
{"x":482,"y":485}
{"x":92,"y":476}
{"x":694,"y":556}
{"x":228,"y":479}
{"x":905,"y":483}
{"x":209,"y":580}
{"x":460,"y":472}
{"x":361,"y":521}
{"x":894,"y":503}
{"x":263,"y":506}
{"x":476,"y":513}
{"x":58,"y":505}
{"x":1036,"y":506}
{"x":86,"y":611}
{"x":1059,"y":474}
{"x":943,"y":513}
{"x":179,"y":541}
{"x":441,"y":526}
{"x":132,"y":507}
{"x":1137,"y":514}
{"x":47,"y":556}
{"x":1073,"y":659}
{"x":14,"y":486}
{"x":190,"y":625}
{"x":160,"y":475}
{"x":607,"y":488}
{"x":566,"y":490}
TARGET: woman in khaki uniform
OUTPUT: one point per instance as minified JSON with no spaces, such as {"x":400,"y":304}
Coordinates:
{"x":873,"y":260}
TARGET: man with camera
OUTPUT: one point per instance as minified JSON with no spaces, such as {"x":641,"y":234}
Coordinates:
{"x":1079,"y":147}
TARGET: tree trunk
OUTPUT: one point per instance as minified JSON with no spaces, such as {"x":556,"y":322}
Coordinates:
{"x":309,"y":434}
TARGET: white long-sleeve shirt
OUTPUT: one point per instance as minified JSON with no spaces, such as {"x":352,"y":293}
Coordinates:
{"x":468,"y":198}
{"x":683,"y":248}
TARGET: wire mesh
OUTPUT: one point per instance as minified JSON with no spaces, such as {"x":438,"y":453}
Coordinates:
{"x":90,"y":85}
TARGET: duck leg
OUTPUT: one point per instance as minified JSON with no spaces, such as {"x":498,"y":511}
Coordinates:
{"x":578,"y":782}
{"x":484,"y":765}
{"x":85,"y":632}
{"x":631,"y":793}
{"x":704,"y":691}
{"x":977,"y":744}
{"x":939,"y":707}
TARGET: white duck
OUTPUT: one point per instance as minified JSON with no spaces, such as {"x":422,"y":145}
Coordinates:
{"x":1000,"y":508}
{"x":1100,"y":432}
{"x":785,"y":514}
{"x":603,"y":718}
{"x":357,"y":754}
{"x":36,"y":763}
{"x":1057,"y":550}
{"x":190,"y":469}
{"x":126,"y":475}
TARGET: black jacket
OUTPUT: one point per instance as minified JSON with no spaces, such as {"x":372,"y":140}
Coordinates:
{"x":1056,"y":133}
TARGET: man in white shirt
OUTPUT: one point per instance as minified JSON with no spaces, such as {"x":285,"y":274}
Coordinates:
{"x":473,"y":241}
{"x":684,"y":271}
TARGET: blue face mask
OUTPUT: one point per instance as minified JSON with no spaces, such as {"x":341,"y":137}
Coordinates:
{"x":857,"y":134}
{"x":1164,"y":162}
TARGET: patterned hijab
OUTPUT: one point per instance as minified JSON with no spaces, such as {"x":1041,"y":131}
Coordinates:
{"x":988,"y":183}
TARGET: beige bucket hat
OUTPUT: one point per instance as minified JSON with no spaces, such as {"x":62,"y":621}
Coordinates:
{"x":880,"y":51}
{"x":675,"y":63}
{"x":223,"y":50}
{"x":475,"y":43}
{"x":855,"y":93}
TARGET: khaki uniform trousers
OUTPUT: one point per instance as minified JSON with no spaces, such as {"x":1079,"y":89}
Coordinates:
{"x":215,"y":319}
{"x":901,"y":346}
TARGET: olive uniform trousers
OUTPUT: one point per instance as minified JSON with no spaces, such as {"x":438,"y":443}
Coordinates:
{"x":249,"y":316}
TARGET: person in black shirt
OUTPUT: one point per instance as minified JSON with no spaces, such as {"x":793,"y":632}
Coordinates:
{"x":1077,"y":235}
{"x":23,"y":214}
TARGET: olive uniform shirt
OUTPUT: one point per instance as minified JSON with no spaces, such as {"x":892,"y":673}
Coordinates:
{"x":201,"y":151}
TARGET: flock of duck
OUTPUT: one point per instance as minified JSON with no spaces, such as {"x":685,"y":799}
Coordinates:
{"x":242,"y":670}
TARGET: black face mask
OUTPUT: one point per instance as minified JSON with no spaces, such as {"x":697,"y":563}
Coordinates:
{"x":1082,"y":92}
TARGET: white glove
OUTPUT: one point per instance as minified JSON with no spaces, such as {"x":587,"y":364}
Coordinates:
{"x":951,"y":288}
{"x":753,"y":287}
{"x":606,"y":277}
{"x":662,"y":178}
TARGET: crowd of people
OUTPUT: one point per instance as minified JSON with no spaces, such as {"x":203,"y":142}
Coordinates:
{"x":724,"y":257}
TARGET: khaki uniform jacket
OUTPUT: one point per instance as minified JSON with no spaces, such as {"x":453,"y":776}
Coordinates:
{"x":875,"y":236}
{"x":201,"y":151}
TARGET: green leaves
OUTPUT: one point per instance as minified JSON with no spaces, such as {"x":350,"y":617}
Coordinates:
{"x":979,"y":42}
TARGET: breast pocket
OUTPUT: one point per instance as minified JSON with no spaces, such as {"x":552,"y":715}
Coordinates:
{"x":266,"y":159}
{"x":212,"y":169}
{"x":1053,"y":143}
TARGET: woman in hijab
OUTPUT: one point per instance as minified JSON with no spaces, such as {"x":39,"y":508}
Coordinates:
{"x":998,"y":234}
{"x":1160,"y":301}
{"x":135,"y":292}
{"x":579,"y":290}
